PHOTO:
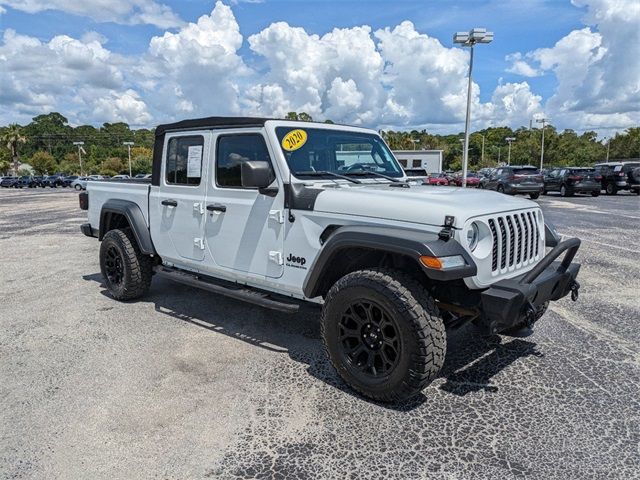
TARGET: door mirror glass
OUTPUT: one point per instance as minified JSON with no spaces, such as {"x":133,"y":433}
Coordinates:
{"x":256,"y":174}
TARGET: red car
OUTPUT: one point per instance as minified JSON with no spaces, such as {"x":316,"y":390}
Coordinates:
{"x":437,"y":179}
{"x":473,"y":180}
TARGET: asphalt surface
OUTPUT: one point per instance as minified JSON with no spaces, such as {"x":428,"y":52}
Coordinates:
{"x":185,"y":384}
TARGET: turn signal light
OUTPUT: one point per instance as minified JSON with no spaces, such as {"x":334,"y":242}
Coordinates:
{"x":442,"y":263}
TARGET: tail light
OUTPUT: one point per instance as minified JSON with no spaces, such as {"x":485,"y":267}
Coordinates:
{"x":598,"y":177}
{"x":575,"y":178}
{"x":621,"y":174}
{"x":513,"y":177}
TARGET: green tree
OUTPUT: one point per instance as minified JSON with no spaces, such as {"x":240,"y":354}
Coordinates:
{"x":12,"y":137}
{"x":42,"y":163}
{"x":112,"y":166}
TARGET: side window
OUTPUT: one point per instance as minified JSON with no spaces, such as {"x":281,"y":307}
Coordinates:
{"x":232,"y":151}
{"x":403,"y":162}
{"x":184,"y":160}
{"x":417,"y":163}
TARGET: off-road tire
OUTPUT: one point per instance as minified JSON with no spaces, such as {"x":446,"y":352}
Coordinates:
{"x":421,"y":332}
{"x":137,"y":269}
{"x":534,"y":196}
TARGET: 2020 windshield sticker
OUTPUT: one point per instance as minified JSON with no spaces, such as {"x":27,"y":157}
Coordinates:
{"x":294,"y":140}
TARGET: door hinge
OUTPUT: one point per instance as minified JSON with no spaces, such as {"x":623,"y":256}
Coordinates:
{"x":277,"y":215}
{"x":199,"y":242}
{"x":199,"y":207}
{"x":276,"y":257}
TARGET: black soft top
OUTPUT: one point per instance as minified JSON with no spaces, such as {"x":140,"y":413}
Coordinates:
{"x":211,"y":122}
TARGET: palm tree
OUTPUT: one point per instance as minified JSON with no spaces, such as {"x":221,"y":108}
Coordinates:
{"x":11,"y":137}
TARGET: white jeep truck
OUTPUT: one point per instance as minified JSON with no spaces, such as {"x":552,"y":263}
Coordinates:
{"x":277,"y":212}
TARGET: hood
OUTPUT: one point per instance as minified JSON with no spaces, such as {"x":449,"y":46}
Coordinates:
{"x":417,"y":204}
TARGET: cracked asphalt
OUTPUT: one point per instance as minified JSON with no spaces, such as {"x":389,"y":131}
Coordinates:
{"x":186,"y":384}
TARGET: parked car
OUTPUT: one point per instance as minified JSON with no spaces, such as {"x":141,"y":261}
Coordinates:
{"x":68,"y":180}
{"x":438,"y":179}
{"x":79,"y":183}
{"x":618,"y":176}
{"x":571,"y":180}
{"x":416,"y":175}
{"x":8,"y":182}
{"x":473,"y":180}
{"x":52,"y":181}
{"x":121,"y":177}
{"x":516,"y":180}
{"x":634,"y":186}
{"x":392,"y":268}
{"x":25,"y":181}
{"x":36,"y":181}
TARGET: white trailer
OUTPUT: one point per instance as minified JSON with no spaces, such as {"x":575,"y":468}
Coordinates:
{"x":429,"y":160}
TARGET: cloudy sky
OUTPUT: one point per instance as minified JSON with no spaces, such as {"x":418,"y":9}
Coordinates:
{"x":377,"y":63}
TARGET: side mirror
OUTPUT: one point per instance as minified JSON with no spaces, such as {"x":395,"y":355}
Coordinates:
{"x":256,"y":174}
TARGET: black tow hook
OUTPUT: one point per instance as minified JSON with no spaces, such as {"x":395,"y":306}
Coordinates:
{"x":529,"y":314}
{"x":575,"y":286}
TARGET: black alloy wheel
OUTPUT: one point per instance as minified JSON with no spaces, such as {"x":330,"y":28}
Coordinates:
{"x":370,"y":339}
{"x":113,"y":266}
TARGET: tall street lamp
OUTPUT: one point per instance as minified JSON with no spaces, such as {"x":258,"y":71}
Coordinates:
{"x":414,"y":141}
{"x":469,"y":39}
{"x":80,"y":150}
{"x":608,"y":145}
{"x":129,"y":144}
{"x":543,"y":121}
{"x":509,"y":139}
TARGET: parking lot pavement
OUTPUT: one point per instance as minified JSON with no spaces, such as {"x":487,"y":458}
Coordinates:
{"x":185,"y":384}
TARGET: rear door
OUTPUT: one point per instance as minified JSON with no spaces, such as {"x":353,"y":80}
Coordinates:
{"x":244,"y":229}
{"x":176,"y":206}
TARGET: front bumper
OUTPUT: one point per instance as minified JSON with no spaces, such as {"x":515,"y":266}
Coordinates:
{"x":514,"y":301}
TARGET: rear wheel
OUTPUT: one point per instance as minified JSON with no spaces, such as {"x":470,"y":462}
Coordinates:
{"x":565,"y":191}
{"x":126,"y":271}
{"x":500,"y":189}
{"x":534,"y":195}
{"x":383,"y":334}
{"x":78,"y":187}
{"x":595,"y":193}
{"x":611,"y":189}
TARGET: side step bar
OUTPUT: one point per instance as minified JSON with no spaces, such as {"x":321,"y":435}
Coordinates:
{"x":246,"y":294}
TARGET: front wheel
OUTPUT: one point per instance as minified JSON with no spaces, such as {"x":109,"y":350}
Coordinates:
{"x":611,"y":189}
{"x":534,"y":196}
{"x":595,"y":193}
{"x":126,"y":271}
{"x":500,"y":189}
{"x":383,"y":334}
{"x":78,"y":187}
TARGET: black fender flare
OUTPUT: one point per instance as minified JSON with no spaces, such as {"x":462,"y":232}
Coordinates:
{"x":410,"y":243}
{"x":131,"y":211}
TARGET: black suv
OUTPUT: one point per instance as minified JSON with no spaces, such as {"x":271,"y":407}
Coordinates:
{"x":52,"y":181}
{"x":514,"y":180}
{"x":619,"y":176}
{"x":570,"y":180}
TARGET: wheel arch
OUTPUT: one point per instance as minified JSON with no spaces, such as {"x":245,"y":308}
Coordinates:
{"x":350,"y":248}
{"x":117,"y":213}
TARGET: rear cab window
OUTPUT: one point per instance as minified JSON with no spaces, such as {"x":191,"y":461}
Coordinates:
{"x":184,"y":160}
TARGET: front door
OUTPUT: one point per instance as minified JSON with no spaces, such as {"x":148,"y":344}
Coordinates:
{"x":177,"y":206}
{"x":244,"y":229}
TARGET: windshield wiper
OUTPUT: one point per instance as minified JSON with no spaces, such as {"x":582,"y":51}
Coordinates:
{"x":323,"y":173}
{"x":371,"y":172}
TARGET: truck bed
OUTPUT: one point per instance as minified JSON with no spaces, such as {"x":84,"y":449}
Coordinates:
{"x":127,"y":189}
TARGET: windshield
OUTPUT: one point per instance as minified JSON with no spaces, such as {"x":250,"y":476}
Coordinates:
{"x":313,"y":150}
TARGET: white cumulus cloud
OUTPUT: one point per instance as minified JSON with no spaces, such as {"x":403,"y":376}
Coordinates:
{"x":119,"y":11}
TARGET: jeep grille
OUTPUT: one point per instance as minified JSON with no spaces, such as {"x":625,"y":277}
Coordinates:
{"x":516,"y":240}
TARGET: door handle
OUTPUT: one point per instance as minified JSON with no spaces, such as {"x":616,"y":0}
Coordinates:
{"x":216,"y":207}
{"x":169,"y":203}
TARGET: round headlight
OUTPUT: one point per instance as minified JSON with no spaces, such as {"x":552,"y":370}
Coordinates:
{"x":472,"y":236}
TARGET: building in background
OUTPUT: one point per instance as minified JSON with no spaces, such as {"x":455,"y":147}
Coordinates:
{"x":429,"y":160}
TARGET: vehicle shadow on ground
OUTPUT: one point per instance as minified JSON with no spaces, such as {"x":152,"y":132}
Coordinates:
{"x":472,"y":359}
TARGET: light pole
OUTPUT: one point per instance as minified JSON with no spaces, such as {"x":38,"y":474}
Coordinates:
{"x":469,"y":39}
{"x":543,"y":121}
{"x":414,"y":141}
{"x":129,"y":144}
{"x":608,"y":145}
{"x":509,"y":139}
{"x":79,"y":145}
